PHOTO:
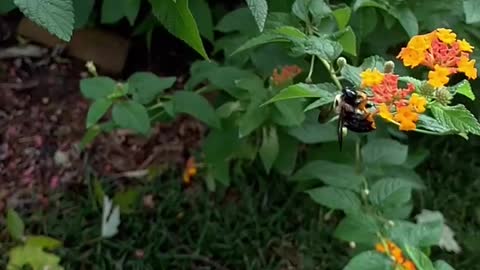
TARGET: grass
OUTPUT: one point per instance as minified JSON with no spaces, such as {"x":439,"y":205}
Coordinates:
{"x":255,"y":224}
{"x":249,"y":226}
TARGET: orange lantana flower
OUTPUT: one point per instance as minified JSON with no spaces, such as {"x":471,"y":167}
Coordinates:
{"x":189,"y":171}
{"x":391,"y":249}
{"x":407,"y":118}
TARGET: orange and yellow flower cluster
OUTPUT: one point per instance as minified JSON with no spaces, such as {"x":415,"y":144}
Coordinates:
{"x":396,"y":255}
{"x":397,"y":105}
{"x":190,"y":170}
{"x":442,"y":53}
{"x":287,"y":73}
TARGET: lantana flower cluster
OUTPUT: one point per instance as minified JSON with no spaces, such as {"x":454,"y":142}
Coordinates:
{"x":285,"y":74}
{"x":397,"y":105}
{"x":396,"y":254}
{"x":442,"y":53}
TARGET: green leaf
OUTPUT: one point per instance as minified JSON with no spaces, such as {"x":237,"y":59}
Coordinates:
{"x":197,"y":106}
{"x":288,"y":113}
{"x":43,"y":242}
{"x":457,"y":118}
{"x":384,"y":151}
{"x":433,"y":219}
{"x":203,"y":16}
{"x":422,"y":262}
{"x":302,"y":90}
{"x":371,"y":259}
{"x":221,"y":172}
{"x":6,"y":6}
{"x":319,"y":9}
{"x":33,"y":256}
{"x":464,"y":88}
{"x":225,"y":78}
{"x":240,"y":19}
{"x":269,"y":148}
{"x":111,"y":13}
{"x":254,"y":116}
{"x":300,"y":9}
{"x":110,"y":218}
{"x":423,"y":234}
{"x":97,"y":87}
{"x":54,"y":15}
{"x":442,"y":265}
{"x":15,"y":225}
{"x":127,"y":200}
{"x":179,"y":21}
{"x":336,"y":198}
{"x":259,"y":9}
{"x":321,"y":47}
{"x":342,"y":16}
{"x":349,"y":42}
{"x":279,"y":34}
{"x":401,"y":12}
{"x":472,"y":11}
{"x":146,"y":86}
{"x":390,"y":191}
{"x":131,"y":115}
{"x":82,"y":9}
{"x":312,"y":133}
{"x":219,"y":145}
{"x":429,"y":123}
{"x":264,"y":38}
{"x":334,"y":174}
{"x":320,"y":102}
{"x":407,"y":19}
{"x":131,"y":9}
{"x":288,"y":152}
{"x":358,"y":227}
{"x":96,"y":111}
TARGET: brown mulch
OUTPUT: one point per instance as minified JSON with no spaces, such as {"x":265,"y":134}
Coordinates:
{"x":42,"y":120}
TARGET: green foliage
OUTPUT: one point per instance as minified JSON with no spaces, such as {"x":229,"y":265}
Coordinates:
{"x":179,"y":21}
{"x":270,"y":105}
{"x":15,"y":225}
{"x":195,"y":105}
{"x":54,"y":15}
{"x":259,"y":9}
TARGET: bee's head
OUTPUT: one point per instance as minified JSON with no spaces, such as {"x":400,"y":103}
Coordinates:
{"x":349,"y":95}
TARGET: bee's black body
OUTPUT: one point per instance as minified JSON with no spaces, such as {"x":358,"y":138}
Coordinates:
{"x":352,"y":107}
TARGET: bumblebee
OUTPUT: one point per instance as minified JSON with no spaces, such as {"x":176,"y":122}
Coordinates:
{"x":352,"y":107}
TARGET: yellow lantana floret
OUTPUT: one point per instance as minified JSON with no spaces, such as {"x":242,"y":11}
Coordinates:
{"x":446,"y":35}
{"x":417,"y":103}
{"x":411,"y":57}
{"x":465,"y":46}
{"x":468,"y":67}
{"x":438,"y":77}
{"x":371,"y":77}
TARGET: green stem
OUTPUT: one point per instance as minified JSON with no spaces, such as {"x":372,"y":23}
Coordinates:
{"x":332,"y":73}
{"x":156,"y":106}
{"x":358,"y":157}
{"x":310,"y":72}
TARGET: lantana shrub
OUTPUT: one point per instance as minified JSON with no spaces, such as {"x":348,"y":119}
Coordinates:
{"x":275,"y":92}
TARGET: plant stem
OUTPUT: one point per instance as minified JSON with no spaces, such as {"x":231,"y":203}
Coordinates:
{"x":310,"y":72}
{"x":332,"y":73}
{"x":358,"y":157}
